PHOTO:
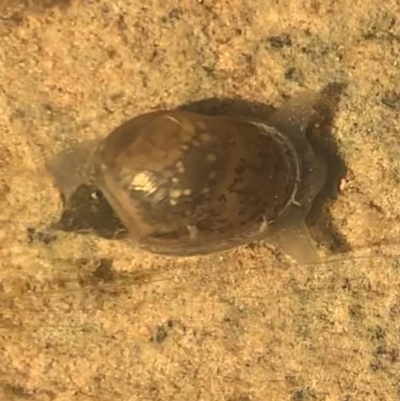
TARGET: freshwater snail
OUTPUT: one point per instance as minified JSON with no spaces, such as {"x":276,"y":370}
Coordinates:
{"x":187,"y":184}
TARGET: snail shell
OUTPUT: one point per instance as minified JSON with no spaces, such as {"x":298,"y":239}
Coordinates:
{"x":186,"y":184}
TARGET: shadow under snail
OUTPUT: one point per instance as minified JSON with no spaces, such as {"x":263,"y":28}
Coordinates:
{"x":188,"y":184}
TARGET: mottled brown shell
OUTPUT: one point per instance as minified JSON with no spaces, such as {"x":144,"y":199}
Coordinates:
{"x":185,"y":183}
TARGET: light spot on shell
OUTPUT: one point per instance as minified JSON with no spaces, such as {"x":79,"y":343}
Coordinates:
{"x":175,"y":193}
{"x":201,"y":125}
{"x":205,"y":137}
{"x":180,"y":167}
{"x":143,"y":182}
{"x":193,"y":232}
{"x":211,"y":158}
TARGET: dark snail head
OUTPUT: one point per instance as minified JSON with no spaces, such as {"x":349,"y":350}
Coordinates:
{"x":185,"y":183}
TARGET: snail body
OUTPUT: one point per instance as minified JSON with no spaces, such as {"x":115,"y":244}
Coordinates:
{"x":186,"y":184}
